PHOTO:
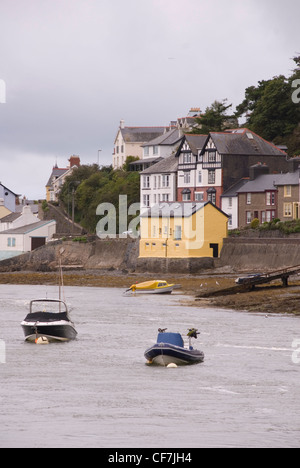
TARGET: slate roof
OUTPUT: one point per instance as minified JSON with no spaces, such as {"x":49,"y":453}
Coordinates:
{"x":167,"y":165}
{"x":166,"y":139}
{"x":176,"y":210}
{"x":243,"y":142}
{"x":26,"y":229}
{"x":262,"y":183}
{"x":56,"y":172}
{"x":141,"y":134}
{"x":10,"y":218}
{"x":233,"y":190}
{"x":196,"y":142}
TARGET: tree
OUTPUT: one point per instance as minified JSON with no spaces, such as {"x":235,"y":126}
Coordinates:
{"x":215,"y":118}
{"x":93,"y":186}
{"x":270,"y":110}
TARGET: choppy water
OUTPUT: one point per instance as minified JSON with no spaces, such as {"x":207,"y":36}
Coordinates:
{"x":98,"y":392}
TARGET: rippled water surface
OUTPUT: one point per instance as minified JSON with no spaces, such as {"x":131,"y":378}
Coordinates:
{"x":98,"y":392}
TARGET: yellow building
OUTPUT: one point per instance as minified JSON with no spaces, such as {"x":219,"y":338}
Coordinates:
{"x":183,"y":230}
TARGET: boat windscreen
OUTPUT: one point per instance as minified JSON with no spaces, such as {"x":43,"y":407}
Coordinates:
{"x":47,"y":305}
{"x":171,"y":338}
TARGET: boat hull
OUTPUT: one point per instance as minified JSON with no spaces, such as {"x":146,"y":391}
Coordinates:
{"x":167,"y":290}
{"x":163,"y":354}
{"x":52,"y":331}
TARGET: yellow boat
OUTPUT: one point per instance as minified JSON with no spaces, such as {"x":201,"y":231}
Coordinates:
{"x":152,"y":287}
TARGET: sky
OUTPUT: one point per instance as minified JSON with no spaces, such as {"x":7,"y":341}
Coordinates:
{"x":72,"y":69}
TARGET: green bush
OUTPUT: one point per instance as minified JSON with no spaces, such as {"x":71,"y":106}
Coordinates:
{"x":254,"y":223}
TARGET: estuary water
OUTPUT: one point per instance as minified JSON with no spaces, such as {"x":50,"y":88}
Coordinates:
{"x":98,"y":392}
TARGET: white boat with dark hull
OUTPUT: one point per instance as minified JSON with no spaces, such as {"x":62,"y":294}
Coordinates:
{"x":49,"y":320}
{"x":170,"y":349}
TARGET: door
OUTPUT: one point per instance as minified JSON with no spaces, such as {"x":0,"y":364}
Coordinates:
{"x":37,"y":242}
{"x":215,"y":248}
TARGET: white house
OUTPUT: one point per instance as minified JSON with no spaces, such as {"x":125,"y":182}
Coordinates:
{"x":129,"y":141}
{"x":58,"y":178}
{"x":24,"y":233}
{"x":159,"y":183}
{"x":159,"y":180}
{"x":16,"y":220}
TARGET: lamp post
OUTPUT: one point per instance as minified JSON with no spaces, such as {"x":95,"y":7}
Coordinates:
{"x":99,"y":156}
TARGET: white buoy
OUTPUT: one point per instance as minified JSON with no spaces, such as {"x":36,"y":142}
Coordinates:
{"x":42,"y":340}
{"x":172,"y":365}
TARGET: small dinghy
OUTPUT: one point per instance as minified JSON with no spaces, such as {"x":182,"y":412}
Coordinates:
{"x":169,"y":349}
{"x":48,"y":321}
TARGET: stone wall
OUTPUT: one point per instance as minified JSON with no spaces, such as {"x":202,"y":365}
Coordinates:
{"x":247,"y":254}
{"x":238,"y":254}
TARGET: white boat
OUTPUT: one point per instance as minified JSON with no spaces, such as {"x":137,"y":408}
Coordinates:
{"x":49,"y":320}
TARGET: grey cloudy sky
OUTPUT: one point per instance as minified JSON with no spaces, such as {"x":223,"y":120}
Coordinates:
{"x":74,"y":68}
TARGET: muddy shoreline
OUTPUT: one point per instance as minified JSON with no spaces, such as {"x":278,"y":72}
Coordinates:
{"x":268,"y":299}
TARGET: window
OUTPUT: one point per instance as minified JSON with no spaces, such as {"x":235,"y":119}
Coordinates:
{"x":248,"y":217}
{"x":287,"y":209}
{"x":155,"y":149}
{"x":166,"y":181}
{"x":230,"y":221}
{"x":270,"y":198}
{"x":230,"y":202}
{"x":199,"y":196}
{"x":146,"y":182}
{"x":212,"y":156}
{"x":270,"y":214}
{"x":249,"y":196}
{"x":212,"y":177}
{"x":177,"y":233}
{"x":186,"y":196}
{"x":11,"y":242}
{"x":146,"y":150}
{"x":187,"y":157}
{"x":200,"y":177}
{"x":165,"y":197}
{"x":287,"y":190}
{"x":211,"y":196}
{"x":187,"y":177}
{"x":263,"y":216}
{"x":146,"y":200}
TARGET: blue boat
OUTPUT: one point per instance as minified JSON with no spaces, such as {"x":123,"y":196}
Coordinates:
{"x":170,"y":349}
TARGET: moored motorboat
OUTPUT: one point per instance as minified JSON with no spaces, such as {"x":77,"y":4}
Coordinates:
{"x":170,"y":349}
{"x":48,"y":319}
{"x":152,"y":287}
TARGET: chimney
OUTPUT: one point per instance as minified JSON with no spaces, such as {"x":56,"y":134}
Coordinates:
{"x":122,"y":123}
{"x":293,"y":164}
{"x":74,"y":161}
{"x":257,"y":170}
